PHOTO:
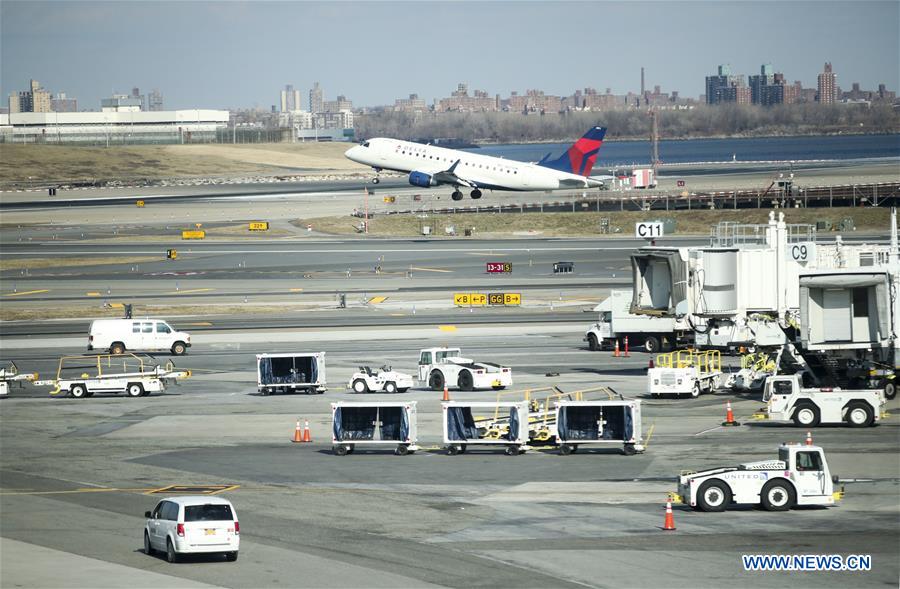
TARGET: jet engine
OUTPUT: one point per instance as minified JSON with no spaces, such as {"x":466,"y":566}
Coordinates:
{"x":422,"y":179}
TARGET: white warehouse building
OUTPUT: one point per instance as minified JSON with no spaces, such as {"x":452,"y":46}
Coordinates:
{"x":113,"y":126}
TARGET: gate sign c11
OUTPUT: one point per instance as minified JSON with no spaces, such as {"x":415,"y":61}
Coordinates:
{"x":495,"y":267}
{"x":802,"y":252}
{"x":652,"y":230}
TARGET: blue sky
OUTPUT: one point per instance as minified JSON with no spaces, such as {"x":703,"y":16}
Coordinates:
{"x":240,"y":54}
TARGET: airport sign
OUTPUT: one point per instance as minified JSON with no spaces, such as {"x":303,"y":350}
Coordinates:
{"x":259,"y":226}
{"x":648,"y":230}
{"x":193,"y":234}
{"x":498,"y":267}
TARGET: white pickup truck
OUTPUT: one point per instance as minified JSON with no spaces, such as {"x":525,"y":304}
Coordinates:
{"x":787,"y":400}
{"x":444,"y":367}
{"x":799,"y":476}
{"x":82,"y":376}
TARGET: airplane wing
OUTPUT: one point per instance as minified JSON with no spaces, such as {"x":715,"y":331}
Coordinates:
{"x":449,"y":176}
{"x":592,"y":182}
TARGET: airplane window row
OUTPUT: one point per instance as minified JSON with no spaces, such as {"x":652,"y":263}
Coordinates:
{"x":463,"y":163}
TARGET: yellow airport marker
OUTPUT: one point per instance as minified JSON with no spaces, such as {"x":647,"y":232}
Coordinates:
{"x":447,"y":327}
{"x":25,"y":292}
{"x":429,"y":269}
{"x":296,"y":290}
{"x":199,"y":324}
{"x":192,"y":291}
{"x":92,"y":294}
{"x":376,"y":300}
{"x":396,"y":314}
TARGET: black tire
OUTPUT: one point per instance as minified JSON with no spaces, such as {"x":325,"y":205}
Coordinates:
{"x":402,"y":450}
{"x":78,"y":391}
{"x":806,"y":415}
{"x":593,"y":343}
{"x":436,"y":380}
{"x":231,"y":556}
{"x":171,"y":555}
{"x":360,"y":386}
{"x":117,"y":348}
{"x":178,"y":349}
{"x":498,"y":387}
{"x":860,"y":414}
{"x":565,"y":449}
{"x":713,"y":496}
{"x":695,"y":392}
{"x":778,"y":495}
{"x":452,"y":450}
{"x":465,"y":381}
{"x":390,"y":387}
{"x":651,"y":344}
{"x":376,"y":180}
{"x":351,"y":448}
{"x":135,"y":389}
{"x":629,"y":450}
{"x":512,"y":451}
{"x":340,"y":450}
{"x":148,"y":549}
{"x":403,"y":390}
{"x":890,"y":391}
{"x":462,"y":448}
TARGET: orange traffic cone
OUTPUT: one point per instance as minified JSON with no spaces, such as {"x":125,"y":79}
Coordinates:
{"x":809,"y":438}
{"x":446,"y":394}
{"x":298,"y":436}
{"x":627,"y":355}
{"x":729,"y":415}
{"x":616,"y":353}
{"x":306,"y":436}
{"x":670,"y":519}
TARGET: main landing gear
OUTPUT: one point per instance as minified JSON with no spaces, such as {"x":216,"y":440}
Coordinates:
{"x":457,"y":195}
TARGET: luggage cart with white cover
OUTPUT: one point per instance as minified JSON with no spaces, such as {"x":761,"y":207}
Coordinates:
{"x":461,"y":428}
{"x":379,"y":423}
{"x":599,"y":422}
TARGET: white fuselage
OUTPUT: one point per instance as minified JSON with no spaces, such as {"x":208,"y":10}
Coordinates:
{"x":480,"y":170}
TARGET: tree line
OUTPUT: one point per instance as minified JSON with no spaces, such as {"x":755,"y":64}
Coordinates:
{"x":701,"y":121}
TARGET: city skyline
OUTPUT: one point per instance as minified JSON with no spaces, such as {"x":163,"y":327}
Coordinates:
{"x":206,"y":58}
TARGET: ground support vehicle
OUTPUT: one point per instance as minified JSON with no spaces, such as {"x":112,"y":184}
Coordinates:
{"x":384,"y":380}
{"x":756,"y":367}
{"x":192,"y":525}
{"x":136,"y":335}
{"x":82,"y":376}
{"x":443,"y":367}
{"x":686,"y":372}
{"x":583,"y":423}
{"x":463,"y":428}
{"x":11,"y":373}
{"x":616,"y":322}
{"x":378,"y":423}
{"x":290,"y":373}
{"x":787,"y":400}
{"x":799,"y":476}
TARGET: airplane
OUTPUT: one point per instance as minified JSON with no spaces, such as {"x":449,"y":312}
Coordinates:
{"x":429,"y":165}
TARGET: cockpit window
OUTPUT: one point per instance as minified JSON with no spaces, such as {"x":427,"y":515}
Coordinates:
{"x":365,"y":144}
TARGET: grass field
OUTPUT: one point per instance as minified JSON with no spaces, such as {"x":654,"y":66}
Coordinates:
{"x":61,"y":163}
{"x":697,"y":222}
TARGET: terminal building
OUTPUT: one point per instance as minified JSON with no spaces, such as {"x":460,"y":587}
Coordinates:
{"x":115,"y":124}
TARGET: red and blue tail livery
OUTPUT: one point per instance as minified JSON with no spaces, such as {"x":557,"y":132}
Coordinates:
{"x":580,"y":158}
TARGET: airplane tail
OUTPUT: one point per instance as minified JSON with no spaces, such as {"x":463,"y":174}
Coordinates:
{"x":580,"y":158}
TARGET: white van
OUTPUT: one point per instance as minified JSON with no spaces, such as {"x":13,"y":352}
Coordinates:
{"x":136,"y":335}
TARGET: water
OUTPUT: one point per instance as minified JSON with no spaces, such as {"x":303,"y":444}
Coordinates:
{"x":614,"y":153}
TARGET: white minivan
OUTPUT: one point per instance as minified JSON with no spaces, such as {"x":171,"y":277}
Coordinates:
{"x":137,"y":335}
{"x":192,"y":525}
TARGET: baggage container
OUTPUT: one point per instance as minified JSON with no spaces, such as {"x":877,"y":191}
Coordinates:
{"x":508,"y":429}
{"x":290,"y":373}
{"x":599,"y":422}
{"x":378,"y":423}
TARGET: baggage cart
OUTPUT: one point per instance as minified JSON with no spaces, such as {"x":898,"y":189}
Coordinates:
{"x":461,"y":427}
{"x":612,"y":422}
{"x":377,"y":423}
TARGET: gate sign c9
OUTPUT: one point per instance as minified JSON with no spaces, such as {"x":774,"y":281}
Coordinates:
{"x":648,"y":230}
{"x":802,"y":252}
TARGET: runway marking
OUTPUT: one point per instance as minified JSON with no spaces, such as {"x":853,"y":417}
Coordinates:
{"x":396,"y":314}
{"x":296,"y":290}
{"x":485,"y":254}
{"x":429,"y":269}
{"x":376,"y":300}
{"x":649,"y":435}
{"x":191,"y":291}
{"x":83,"y":490}
{"x":198,"y":324}
{"x":25,"y":292}
{"x":92,"y":294}
{"x":447,"y":327}
{"x":706,"y":431}
{"x":194,"y":489}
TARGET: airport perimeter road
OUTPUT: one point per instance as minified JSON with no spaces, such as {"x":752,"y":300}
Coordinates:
{"x":77,"y":475}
